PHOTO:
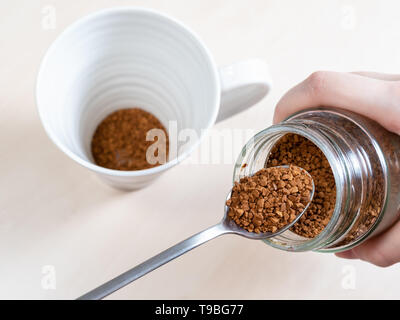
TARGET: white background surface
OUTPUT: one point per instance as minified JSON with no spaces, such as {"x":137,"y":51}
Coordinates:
{"x":54,"y":212}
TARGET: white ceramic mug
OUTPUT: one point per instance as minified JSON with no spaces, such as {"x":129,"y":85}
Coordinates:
{"x":134,"y":57}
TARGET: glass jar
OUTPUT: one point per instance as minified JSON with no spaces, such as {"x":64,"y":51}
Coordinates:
{"x":365,"y":161}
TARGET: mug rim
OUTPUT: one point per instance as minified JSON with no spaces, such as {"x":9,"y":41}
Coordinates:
{"x":154,"y":14}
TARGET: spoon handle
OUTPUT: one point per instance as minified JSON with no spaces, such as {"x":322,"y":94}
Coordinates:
{"x":155,"y":262}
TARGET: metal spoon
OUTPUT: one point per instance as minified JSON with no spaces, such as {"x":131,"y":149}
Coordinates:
{"x":226,"y":226}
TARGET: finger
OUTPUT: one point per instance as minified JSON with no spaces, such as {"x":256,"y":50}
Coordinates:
{"x":382,"y":250}
{"x":349,"y":254}
{"x":377,"y":75}
{"x":374,"y":98}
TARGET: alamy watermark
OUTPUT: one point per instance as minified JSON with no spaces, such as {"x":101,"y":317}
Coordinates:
{"x":348,"y":17}
{"x":49,"y":17}
{"x":49,"y":281}
{"x":218,"y":146}
{"x":349,"y":277}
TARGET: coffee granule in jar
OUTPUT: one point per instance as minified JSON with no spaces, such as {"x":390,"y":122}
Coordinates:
{"x":298,"y":151}
{"x":119,"y":141}
{"x":270,"y":199}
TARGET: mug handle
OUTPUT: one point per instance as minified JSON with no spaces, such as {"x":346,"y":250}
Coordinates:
{"x":243,"y":84}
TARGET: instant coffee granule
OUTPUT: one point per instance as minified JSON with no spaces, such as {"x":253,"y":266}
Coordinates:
{"x":298,"y":151}
{"x":270,"y":199}
{"x":119,"y":141}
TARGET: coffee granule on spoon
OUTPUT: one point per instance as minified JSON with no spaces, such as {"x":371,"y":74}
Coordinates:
{"x":119,"y":141}
{"x":270,"y":199}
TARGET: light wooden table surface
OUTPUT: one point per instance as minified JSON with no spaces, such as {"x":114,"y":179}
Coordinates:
{"x":62,"y":232}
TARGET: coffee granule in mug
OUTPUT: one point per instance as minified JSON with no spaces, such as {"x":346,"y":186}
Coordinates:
{"x":298,"y":151}
{"x":270,"y":199}
{"x":119,"y":141}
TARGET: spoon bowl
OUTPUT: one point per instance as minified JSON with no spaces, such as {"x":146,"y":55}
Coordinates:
{"x":229,"y":224}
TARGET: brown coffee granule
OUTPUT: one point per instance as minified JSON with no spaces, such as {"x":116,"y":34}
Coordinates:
{"x":296,"y":150}
{"x":270,"y":199}
{"x":119,"y":141}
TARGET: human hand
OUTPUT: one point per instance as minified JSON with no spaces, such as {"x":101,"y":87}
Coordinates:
{"x":374,"y":95}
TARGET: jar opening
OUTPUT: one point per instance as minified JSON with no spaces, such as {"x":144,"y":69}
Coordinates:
{"x":255,"y":155}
